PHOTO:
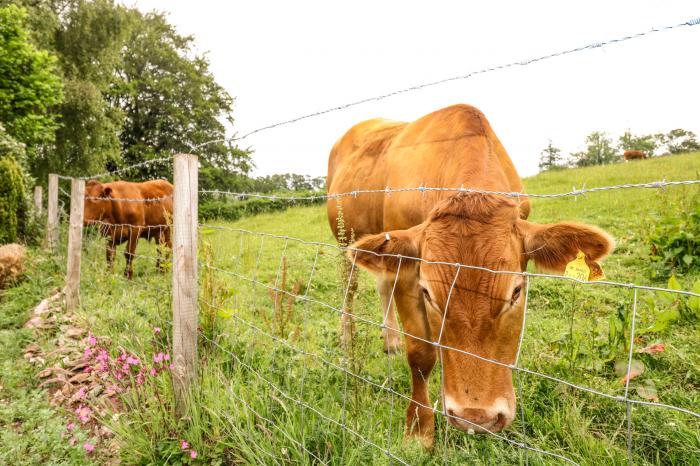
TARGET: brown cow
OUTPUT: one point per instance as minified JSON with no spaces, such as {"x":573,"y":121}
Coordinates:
{"x":634,"y":155}
{"x":483,"y":316}
{"x":126,"y":211}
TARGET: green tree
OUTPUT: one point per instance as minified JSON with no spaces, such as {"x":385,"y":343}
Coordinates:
{"x":171,"y":101}
{"x":14,"y":204}
{"x":89,"y":43}
{"x":599,"y":151}
{"x":29,"y":85}
{"x":550,"y":157}
{"x":647,"y":143}
{"x":680,"y":140}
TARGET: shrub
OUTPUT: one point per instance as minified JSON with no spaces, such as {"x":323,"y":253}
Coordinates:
{"x":233,"y":210}
{"x":675,"y":241}
{"x":14,"y":205}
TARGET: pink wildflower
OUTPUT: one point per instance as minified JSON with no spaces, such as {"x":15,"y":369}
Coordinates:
{"x":92,"y":341}
{"x":193,"y":454}
{"x":171,"y":366}
{"x":158,"y":357}
{"x":134,"y":361}
{"x":89,"y":447}
{"x":87,"y":369}
{"x":166,"y":357}
{"x":81,"y":393}
{"x":103,"y":356}
{"x":154,"y":372}
{"x":156,"y":330}
{"x":88,"y":352}
{"x":83,"y":413}
{"x":184,"y":445}
{"x":70,"y":426}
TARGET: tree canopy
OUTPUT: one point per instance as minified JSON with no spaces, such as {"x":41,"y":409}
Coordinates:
{"x":29,"y":85}
{"x":133,"y":90}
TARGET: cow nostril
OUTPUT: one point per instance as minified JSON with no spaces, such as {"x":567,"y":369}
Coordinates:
{"x":500,"y":420}
{"x":450,"y":412}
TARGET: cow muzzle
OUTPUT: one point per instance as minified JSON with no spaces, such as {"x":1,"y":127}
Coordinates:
{"x":490,"y":419}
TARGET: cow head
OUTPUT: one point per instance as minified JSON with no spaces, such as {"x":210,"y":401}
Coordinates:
{"x":475,"y":311}
{"x":98,"y":205}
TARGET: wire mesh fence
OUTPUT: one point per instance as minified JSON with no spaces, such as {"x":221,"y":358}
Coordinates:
{"x":306,"y":274}
{"x":271,"y":307}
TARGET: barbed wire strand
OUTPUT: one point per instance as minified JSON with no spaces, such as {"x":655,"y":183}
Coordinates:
{"x":525,"y":62}
{"x":388,"y":191}
{"x":461,"y":189}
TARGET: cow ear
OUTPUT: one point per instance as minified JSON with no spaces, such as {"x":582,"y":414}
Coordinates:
{"x":554,"y":245}
{"x":379,"y":253}
{"x":106,"y":191}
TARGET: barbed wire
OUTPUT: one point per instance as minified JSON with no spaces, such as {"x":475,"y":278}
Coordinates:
{"x":128,"y":199}
{"x":525,"y":62}
{"x":422,"y":189}
{"x":461,"y":189}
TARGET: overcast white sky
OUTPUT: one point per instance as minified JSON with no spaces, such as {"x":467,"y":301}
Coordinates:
{"x":284,"y":59}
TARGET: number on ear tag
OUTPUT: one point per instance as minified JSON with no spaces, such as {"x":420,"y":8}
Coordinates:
{"x":577,"y":268}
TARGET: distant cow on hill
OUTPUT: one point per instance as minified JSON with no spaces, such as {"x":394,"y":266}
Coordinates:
{"x":126,"y":211}
{"x":634,"y":155}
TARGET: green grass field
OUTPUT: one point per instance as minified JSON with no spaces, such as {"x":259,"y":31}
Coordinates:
{"x":276,"y":387}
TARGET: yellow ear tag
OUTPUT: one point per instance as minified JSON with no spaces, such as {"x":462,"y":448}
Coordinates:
{"x":596,"y":272}
{"x":577,"y":268}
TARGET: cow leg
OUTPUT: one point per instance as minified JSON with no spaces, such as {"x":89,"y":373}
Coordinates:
{"x":392,"y":340}
{"x":110,"y":253}
{"x":160,"y":240}
{"x":420,"y":418}
{"x":130,"y":252}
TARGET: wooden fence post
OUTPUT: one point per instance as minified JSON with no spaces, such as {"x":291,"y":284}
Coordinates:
{"x":52,"y":221}
{"x":185,"y":312}
{"x":38,"y":207}
{"x":75,"y":243}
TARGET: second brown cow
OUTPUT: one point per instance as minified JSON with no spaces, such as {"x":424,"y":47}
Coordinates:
{"x":634,"y":155}
{"x":125,"y":211}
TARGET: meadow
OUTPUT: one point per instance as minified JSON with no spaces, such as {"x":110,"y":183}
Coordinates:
{"x":276,"y":387}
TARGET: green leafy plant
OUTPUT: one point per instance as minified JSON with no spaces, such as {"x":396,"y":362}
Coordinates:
{"x":675,"y":240}
{"x":14,"y":206}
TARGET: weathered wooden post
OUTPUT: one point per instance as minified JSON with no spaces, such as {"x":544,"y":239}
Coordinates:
{"x":185,"y":312}
{"x":38,"y":207}
{"x":52,"y":221}
{"x":75,"y":243}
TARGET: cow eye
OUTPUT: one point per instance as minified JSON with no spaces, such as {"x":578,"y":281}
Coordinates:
{"x":426,"y":295}
{"x":516,"y":294}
